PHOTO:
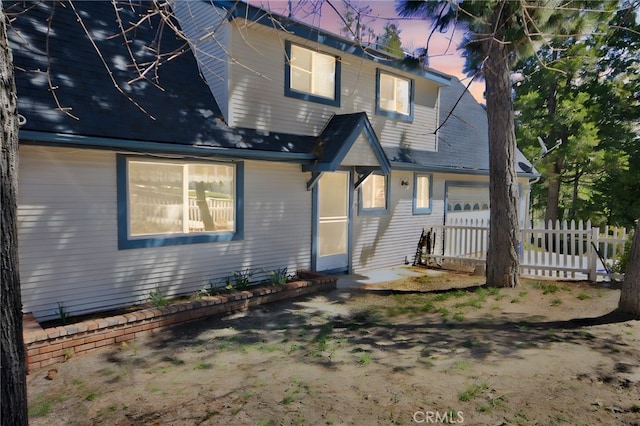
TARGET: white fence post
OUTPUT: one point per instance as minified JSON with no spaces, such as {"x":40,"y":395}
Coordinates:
{"x":593,"y":242}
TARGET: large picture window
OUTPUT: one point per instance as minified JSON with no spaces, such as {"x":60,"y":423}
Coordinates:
{"x":166,"y":202}
{"x":394,"y":97}
{"x":374,"y":195}
{"x":312,"y":75}
{"x":422,"y":194}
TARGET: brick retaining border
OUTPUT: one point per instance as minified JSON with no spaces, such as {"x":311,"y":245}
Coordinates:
{"x":54,"y":345}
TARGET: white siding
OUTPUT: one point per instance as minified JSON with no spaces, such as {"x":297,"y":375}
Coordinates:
{"x":360,"y":154}
{"x":255,"y":66}
{"x":68,"y":234}
{"x":206,"y":27}
{"x":257,"y":100}
{"x":385,"y":240}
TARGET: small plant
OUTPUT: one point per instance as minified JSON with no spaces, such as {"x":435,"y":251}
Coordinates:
{"x":68,"y":354}
{"x":92,"y":396}
{"x":458,"y":316}
{"x":462,"y":365}
{"x":288,"y":399}
{"x":365,"y":358}
{"x":471,"y":392}
{"x":620,"y":263}
{"x":556,"y":302}
{"x":583,"y":296}
{"x":473,"y":303}
{"x":209,"y":289}
{"x":493,"y":291}
{"x":157,"y":298}
{"x":41,"y":405}
{"x":39,"y":409}
{"x":228,"y":284}
{"x":242,"y":279}
{"x":278,"y":276}
{"x":492,"y":403}
{"x":62,"y":312}
{"x":444,"y":312}
{"x":203,"y":366}
{"x":547,"y":288}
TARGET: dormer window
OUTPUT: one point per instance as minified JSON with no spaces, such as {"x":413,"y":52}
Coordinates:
{"x":311,"y":75}
{"x":394,"y":96}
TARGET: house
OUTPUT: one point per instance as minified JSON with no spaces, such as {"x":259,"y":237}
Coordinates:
{"x":268,"y":144}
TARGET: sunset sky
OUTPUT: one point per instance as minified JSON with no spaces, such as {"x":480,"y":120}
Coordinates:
{"x":444,"y":55}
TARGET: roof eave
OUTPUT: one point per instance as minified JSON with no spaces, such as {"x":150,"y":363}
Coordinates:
{"x":31,"y":137}
{"x":399,"y":165}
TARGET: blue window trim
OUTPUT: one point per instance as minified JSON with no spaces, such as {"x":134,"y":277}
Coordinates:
{"x":422,"y":210}
{"x":308,"y":96}
{"x":375,"y":211}
{"x":393,"y":114}
{"x":126,"y":242}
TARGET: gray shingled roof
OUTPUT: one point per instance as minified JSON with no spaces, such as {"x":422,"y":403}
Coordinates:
{"x":179,"y":109}
{"x":178,"y":106}
{"x":463,"y":140}
{"x":338,"y":137}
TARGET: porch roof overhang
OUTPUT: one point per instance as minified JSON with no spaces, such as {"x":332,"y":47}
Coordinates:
{"x":340,"y":136}
{"x":348,"y":140}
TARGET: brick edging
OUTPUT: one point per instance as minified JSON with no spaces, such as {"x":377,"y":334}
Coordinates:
{"x":56,"y":344}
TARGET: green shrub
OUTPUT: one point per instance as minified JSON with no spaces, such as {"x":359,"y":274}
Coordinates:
{"x":620,"y":263}
{"x":63,"y":315}
{"x":242,"y":279}
{"x":157,"y":298}
{"x":278,"y":276}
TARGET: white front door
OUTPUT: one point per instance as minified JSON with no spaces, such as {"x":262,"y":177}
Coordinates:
{"x":332,"y":222}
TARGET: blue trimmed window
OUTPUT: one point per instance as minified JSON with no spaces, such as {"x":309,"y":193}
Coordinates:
{"x":374,"y":195}
{"x":422,"y":199}
{"x":394,"y":96}
{"x":165,"y":202}
{"x":312,"y":76}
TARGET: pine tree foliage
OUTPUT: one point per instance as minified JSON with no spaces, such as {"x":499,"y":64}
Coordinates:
{"x":583,"y":91}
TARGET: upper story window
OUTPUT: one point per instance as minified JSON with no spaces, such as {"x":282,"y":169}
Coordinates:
{"x":394,"y":96}
{"x":422,"y":194}
{"x":374,"y":195}
{"x":311,"y":75}
{"x":167,"y":202}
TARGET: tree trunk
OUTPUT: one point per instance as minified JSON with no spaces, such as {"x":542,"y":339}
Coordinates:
{"x":205,"y":214}
{"x":13,"y":390}
{"x":503,"y":266}
{"x":630,"y":294}
{"x":552,"y":212}
{"x":553,"y":180}
{"x":573,"y":212}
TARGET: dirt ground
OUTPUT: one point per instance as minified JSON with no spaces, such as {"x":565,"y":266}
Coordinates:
{"x":542,"y":354}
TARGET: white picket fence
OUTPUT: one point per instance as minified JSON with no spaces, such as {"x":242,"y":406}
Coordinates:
{"x":567,"y":250}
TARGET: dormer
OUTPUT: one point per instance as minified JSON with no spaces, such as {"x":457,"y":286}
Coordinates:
{"x":274,"y":74}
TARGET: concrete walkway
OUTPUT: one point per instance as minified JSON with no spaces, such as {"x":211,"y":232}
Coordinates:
{"x":378,"y":276}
